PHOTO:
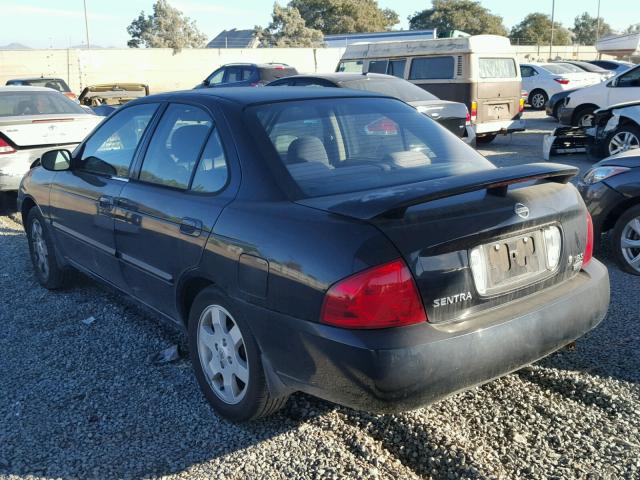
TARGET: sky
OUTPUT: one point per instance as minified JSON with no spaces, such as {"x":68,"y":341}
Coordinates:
{"x":60,"y":23}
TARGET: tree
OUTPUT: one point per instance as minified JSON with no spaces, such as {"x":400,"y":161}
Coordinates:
{"x":288,"y":29}
{"x":585,"y":26}
{"x":345,"y":16}
{"x":635,"y":28}
{"x":167,"y":27}
{"x":536,"y":29}
{"x":466,"y":15}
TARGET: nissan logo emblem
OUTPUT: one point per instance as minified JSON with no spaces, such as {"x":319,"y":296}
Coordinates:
{"x":521,"y":210}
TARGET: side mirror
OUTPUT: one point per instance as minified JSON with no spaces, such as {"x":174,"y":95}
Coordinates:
{"x":56,"y":160}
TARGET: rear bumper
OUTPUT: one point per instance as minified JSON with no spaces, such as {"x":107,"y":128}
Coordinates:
{"x":503,"y":127}
{"x":405,"y":368}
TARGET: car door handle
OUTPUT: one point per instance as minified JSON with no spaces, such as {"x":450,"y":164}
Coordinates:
{"x":191,"y":227}
{"x":106,"y":202}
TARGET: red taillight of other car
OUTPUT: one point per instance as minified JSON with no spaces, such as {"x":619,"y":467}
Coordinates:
{"x":5,"y":147}
{"x":467,"y":121}
{"x":71,"y":96}
{"x":562,"y":81}
{"x":588,"y":249}
{"x":379,"y":297}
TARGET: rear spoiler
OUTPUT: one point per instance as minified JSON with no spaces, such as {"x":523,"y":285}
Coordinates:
{"x":394,"y":202}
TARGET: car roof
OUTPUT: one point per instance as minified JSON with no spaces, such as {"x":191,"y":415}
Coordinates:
{"x":345,"y":76}
{"x":25,"y":88}
{"x":258,"y":65}
{"x":31,"y":79}
{"x":244,"y":96}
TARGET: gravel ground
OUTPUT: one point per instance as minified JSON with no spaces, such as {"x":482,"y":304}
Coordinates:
{"x":84,"y":400}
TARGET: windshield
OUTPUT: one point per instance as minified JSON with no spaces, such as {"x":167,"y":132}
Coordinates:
{"x":36,"y":103}
{"x":354,"y":144}
{"x":393,"y":87}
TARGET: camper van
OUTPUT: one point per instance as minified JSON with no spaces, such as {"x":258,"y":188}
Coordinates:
{"x":480,"y":71}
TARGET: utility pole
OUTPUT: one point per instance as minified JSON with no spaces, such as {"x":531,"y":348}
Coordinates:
{"x":86,"y":23}
{"x":598,"y":23}
{"x":553,"y":13}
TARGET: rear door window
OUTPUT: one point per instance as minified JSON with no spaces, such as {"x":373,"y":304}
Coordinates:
{"x":176,"y":146}
{"x":378,"y":66}
{"x":497,"y":68}
{"x":526,"y":71}
{"x":431,"y":68}
{"x":233,"y":74}
{"x":212,"y":172}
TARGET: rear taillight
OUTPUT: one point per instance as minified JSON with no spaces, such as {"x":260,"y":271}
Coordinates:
{"x":562,"y":81}
{"x":521,"y":105}
{"x":379,"y":297}
{"x":588,"y":249}
{"x":5,"y":147}
{"x":474,"y":111}
{"x":467,"y":121}
{"x":71,"y":96}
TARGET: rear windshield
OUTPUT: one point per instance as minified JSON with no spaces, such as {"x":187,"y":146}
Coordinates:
{"x":351,"y":66}
{"x":55,"y":84}
{"x":405,"y":91}
{"x":36,"y":103}
{"x":497,"y":68}
{"x":354,"y":144}
{"x":557,"y":69}
{"x":571,"y":68}
{"x":268,"y":74}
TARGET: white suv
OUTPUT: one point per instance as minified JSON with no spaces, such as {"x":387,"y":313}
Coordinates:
{"x":580,"y":105}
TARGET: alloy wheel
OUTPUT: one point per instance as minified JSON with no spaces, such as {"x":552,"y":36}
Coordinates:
{"x":630,"y":243}
{"x":537,"y":100}
{"x":623,"y":141}
{"x":39,"y":248}
{"x":223,"y":355}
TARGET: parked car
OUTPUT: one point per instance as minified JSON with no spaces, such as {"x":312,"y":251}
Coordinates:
{"x":611,"y":190}
{"x":104,"y":99}
{"x":616,"y":66}
{"x":603,"y":73}
{"x":556,"y":101}
{"x":246,"y":75}
{"x":546,"y":79}
{"x":32,"y":121}
{"x":615,"y":129}
{"x":364,"y":255}
{"x":480,"y":71}
{"x":579,"y":106}
{"x":48,"y":82}
{"x":454,"y":116}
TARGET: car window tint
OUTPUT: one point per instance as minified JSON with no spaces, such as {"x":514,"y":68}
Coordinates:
{"x":378,"y":66}
{"x":497,"y":68}
{"x":212,"y":172}
{"x":429,"y":68}
{"x":356,"y":144}
{"x":630,"y":79}
{"x":233,"y":74}
{"x":279,"y":71}
{"x":246,"y":73}
{"x":396,"y":68}
{"x":110,"y":149}
{"x":526,"y":71}
{"x":175,"y":146}
{"x":36,"y":103}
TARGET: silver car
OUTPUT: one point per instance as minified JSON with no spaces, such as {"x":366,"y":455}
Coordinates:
{"x":32,"y":121}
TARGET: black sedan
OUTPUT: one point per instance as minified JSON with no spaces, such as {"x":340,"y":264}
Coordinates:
{"x":611,"y":190}
{"x":555,"y":102}
{"x":323,"y":240}
{"x":454,"y":116}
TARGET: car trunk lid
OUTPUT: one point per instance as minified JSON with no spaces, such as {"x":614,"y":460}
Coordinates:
{"x":435,"y":224}
{"x":451,"y":115}
{"x":42,"y":130}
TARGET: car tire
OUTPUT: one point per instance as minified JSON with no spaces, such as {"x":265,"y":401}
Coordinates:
{"x":484,"y":139}
{"x":226,"y":359}
{"x":622,"y":139}
{"x":538,"y":99}
{"x":42,"y":251}
{"x":583,"y":116}
{"x":626,"y":230}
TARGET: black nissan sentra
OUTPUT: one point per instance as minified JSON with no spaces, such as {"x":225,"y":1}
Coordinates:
{"x":327,"y":241}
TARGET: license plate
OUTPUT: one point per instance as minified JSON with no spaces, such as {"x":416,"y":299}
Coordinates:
{"x":499,"y":111}
{"x":514,"y":262}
